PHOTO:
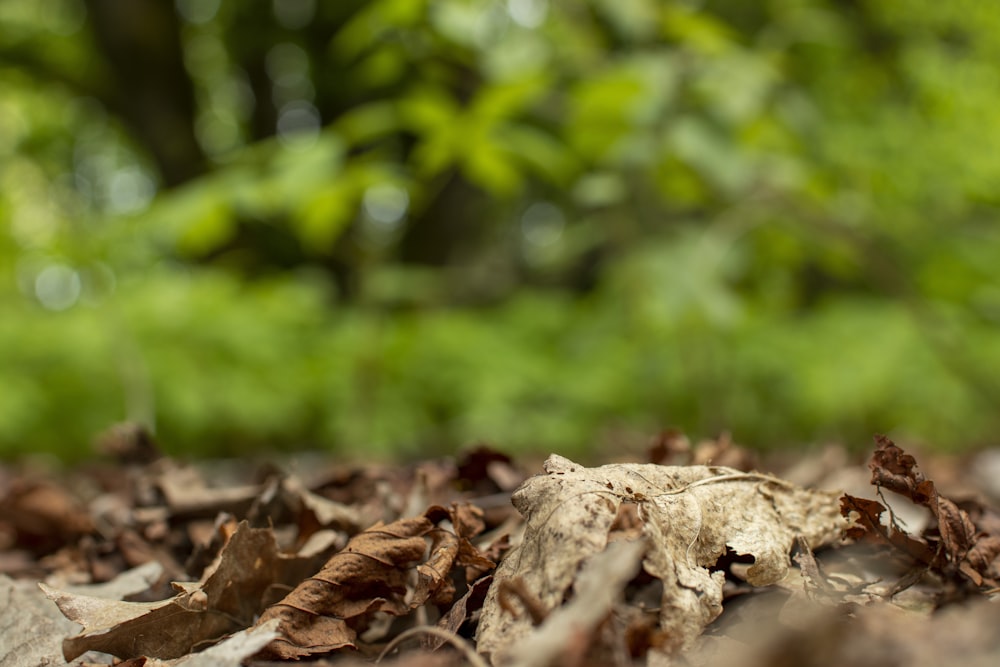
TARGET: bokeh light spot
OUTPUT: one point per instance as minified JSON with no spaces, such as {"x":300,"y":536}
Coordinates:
{"x":386,"y":204}
{"x":542,"y":224}
{"x":294,"y":14}
{"x":57,"y":287}
{"x":528,"y":13}
{"x":129,"y":190}
{"x":287,"y":64}
{"x":198,"y":11}
{"x":298,"y":125}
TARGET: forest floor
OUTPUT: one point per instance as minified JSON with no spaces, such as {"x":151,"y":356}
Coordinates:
{"x":696,"y":555}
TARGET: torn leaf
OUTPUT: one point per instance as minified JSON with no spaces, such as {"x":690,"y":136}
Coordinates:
{"x":953,"y":545}
{"x":690,"y":516}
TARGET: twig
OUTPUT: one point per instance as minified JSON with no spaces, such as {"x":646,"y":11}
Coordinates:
{"x":461,"y":644}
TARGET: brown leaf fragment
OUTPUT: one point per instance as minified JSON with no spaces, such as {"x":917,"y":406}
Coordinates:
{"x":958,"y":533}
{"x":983,"y":559}
{"x":691,"y":515}
{"x":950,"y":545}
{"x":434,"y":582}
{"x":188,"y":494}
{"x":42,"y":516}
{"x":390,"y":568}
{"x":129,"y":443}
{"x":466,"y":522}
{"x":466,"y":519}
{"x":867,"y":515}
{"x":484,"y":470}
{"x":231,"y":595}
{"x":894,"y":469}
{"x":460,"y":612}
{"x":315,"y":512}
{"x":302,"y":633}
{"x":723,"y":452}
{"x":669,"y":447}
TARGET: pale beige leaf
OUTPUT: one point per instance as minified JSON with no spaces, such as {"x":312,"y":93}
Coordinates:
{"x":690,"y":515}
{"x":96,"y":614}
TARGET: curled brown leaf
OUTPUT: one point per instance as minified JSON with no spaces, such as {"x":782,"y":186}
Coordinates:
{"x":389,"y":568}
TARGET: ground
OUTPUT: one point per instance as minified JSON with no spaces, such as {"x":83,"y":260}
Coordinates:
{"x":695,"y":555}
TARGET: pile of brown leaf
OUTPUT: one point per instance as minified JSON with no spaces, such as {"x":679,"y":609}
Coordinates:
{"x":677,"y":561}
{"x":158,"y":560}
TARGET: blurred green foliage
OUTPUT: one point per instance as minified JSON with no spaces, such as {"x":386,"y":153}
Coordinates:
{"x":398,"y":226}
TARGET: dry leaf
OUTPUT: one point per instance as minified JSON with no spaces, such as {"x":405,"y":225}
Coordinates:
{"x":867,"y":515}
{"x":42,"y":516}
{"x":369,"y":574}
{"x":952,"y":545}
{"x":128,"y":583}
{"x":690,"y":516}
{"x":232,"y":593}
{"x":188,"y":494}
{"x":392,"y":569}
{"x":460,"y":612}
{"x":316,"y":511}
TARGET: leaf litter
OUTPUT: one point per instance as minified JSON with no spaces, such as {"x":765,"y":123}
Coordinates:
{"x":469,"y":561}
